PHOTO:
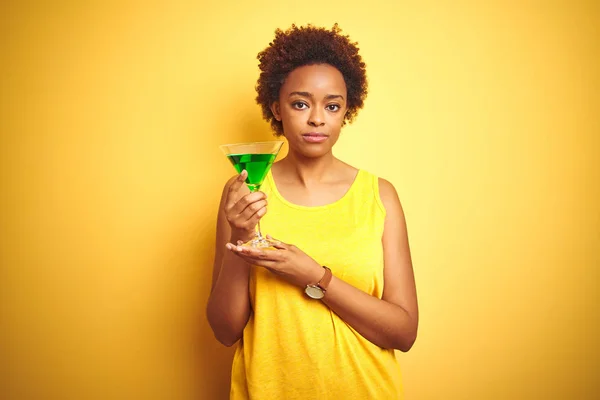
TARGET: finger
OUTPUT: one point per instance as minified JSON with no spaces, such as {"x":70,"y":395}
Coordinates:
{"x":278,"y":244}
{"x":232,"y":196}
{"x":243,"y":253}
{"x":257,"y":254}
{"x":253,"y":209}
{"x":236,"y":248}
{"x":270,"y":265}
{"x":253,"y":220}
{"x":272,"y":238}
{"x":246,"y":200}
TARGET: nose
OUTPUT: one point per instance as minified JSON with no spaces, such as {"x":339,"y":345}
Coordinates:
{"x":316,"y":117}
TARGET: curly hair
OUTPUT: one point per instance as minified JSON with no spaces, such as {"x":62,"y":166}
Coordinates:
{"x":309,"y":45}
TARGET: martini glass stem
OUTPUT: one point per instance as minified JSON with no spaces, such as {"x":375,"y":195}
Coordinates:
{"x":258,"y":234}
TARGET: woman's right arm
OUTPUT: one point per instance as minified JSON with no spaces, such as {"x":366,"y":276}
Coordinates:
{"x":228,"y":307}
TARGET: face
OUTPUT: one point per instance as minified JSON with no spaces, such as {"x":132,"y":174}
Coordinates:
{"x":311,"y":107}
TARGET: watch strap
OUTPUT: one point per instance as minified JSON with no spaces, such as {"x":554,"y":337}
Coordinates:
{"x":323,"y":284}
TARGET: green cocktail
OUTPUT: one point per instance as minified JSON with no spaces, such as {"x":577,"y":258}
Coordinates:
{"x":256,"y":158}
{"x":257,"y":166}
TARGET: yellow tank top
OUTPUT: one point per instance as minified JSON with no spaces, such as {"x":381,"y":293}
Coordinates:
{"x":294,"y":347}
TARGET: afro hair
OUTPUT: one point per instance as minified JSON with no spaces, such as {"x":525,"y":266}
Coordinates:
{"x":309,"y":45}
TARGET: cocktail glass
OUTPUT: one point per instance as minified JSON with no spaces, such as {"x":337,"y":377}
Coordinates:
{"x":256,"y":158}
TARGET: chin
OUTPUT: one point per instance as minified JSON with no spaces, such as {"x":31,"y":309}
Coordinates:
{"x":314,"y":152}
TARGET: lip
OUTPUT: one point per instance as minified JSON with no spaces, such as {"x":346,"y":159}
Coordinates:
{"x":314,"y":137}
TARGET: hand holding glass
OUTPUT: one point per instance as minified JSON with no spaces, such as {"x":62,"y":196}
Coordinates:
{"x":256,"y":158}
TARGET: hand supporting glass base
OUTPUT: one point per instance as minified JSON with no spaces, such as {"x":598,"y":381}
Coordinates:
{"x":261,"y":242}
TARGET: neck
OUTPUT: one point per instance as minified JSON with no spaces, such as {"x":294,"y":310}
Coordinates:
{"x":306,"y":170}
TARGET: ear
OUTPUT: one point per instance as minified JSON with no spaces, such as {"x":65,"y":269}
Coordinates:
{"x":276,"y":111}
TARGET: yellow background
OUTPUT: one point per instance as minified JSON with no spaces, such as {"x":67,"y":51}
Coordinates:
{"x":485,"y":118}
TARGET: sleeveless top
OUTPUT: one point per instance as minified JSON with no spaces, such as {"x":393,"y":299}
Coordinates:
{"x":294,"y":347}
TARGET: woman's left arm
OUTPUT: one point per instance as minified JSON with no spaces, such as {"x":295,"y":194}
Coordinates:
{"x":392,"y":321}
{"x":389,"y":322}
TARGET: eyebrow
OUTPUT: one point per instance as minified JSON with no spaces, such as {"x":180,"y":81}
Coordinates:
{"x":307,"y":94}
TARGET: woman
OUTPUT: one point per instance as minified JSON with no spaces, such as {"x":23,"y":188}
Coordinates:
{"x":318,"y":317}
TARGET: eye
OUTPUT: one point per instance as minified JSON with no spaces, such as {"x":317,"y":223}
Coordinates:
{"x":333,"y":107}
{"x":299,"y":105}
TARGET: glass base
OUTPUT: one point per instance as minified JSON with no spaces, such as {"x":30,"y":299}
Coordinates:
{"x":261,"y":243}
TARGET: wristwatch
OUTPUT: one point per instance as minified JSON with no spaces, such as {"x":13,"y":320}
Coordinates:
{"x":317,"y":291}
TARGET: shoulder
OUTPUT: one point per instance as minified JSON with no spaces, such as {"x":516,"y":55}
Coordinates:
{"x":389,"y":197}
{"x":387,"y":191}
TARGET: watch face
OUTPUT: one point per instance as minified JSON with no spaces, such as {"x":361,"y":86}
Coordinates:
{"x":314,"y":292}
